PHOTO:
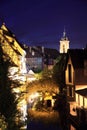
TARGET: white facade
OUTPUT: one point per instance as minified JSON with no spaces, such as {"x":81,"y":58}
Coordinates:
{"x":23,"y":68}
{"x":64,"y":44}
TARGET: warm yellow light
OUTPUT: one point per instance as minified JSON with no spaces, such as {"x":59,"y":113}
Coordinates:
{"x":34,"y":95}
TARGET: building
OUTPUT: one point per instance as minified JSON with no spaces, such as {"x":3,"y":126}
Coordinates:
{"x":64,"y":43}
{"x":13,"y":49}
{"x":50,"y":56}
{"x":34,"y":58}
{"x":81,"y":97}
{"x":76,"y":82}
{"x":38,"y":57}
{"x":76,"y":71}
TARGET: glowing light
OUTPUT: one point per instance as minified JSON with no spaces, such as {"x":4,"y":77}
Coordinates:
{"x":35,"y":95}
{"x":13,"y":70}
{"x":23,"y":68}
{"x":31,"y":76}
{"x":23,"y":108}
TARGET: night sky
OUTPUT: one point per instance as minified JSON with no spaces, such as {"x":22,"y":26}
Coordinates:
{"x":42,"y":22}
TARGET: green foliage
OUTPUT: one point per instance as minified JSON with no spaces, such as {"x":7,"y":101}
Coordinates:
{"x":3,"y":124}
{"x":43,"y":85}
{"x":61,"y":104}
{"x":46,"y":74}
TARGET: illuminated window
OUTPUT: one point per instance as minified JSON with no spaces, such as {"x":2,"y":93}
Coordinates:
{"x":33,"y":53}
{"x":83,"y":102}
{"x":78,"y":100}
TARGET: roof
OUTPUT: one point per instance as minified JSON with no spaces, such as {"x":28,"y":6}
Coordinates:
{"x":52,"y":53}
{"x":38,"y":50}
{"x":31,"y":72}
{"x":8,"y":32}
{"x":82,"y":92}
{"x":29,"y":51}
{"x":77,"y":57}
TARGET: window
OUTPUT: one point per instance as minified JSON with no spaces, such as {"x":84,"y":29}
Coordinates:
{"x":78,"y":100}
{"x":69,"y":73}
{"x":33,"y":53}
{"x":70,"y":91}
{"x":67,"y":90}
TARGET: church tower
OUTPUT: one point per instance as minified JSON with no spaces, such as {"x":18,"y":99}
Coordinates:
{"x":64,"y":43}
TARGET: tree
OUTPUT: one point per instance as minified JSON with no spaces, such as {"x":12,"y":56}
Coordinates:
{"x":42,"y":85}
{"x":8,"y":102}
{"x":61,"y":104}
{"x":47,"y":74}
{"x":59,"y":72}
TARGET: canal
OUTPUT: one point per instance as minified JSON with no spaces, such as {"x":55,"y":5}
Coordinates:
{"x":43,"y":120}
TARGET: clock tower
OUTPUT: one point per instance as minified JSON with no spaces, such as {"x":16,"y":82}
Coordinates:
{"x":64,"y":43}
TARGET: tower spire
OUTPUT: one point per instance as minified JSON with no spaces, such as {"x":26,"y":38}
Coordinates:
{"x":64,"y":32}
{"x":64,"y":37}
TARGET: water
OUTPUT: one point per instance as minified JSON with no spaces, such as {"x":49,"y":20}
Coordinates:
{"x":38,"y":125}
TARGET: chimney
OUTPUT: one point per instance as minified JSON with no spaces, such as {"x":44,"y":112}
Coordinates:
{"x":30,"y":49}
{"x":42,"y":49}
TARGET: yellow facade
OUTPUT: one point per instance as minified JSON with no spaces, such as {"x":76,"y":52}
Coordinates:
{"x":10,"y":46}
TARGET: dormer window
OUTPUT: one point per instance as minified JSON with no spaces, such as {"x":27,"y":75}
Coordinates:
{"x":33,"y":53}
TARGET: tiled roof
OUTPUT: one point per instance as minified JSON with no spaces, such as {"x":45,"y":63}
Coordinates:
{"x":29,"y":51}
{"x":50,"y":53}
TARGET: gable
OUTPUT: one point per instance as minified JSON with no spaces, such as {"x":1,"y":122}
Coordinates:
{"x":10,"y":45}
{"x":77,"y":57}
